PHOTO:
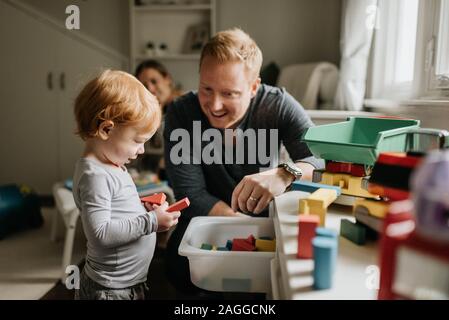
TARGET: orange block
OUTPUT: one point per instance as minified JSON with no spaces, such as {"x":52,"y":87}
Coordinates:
{"x":180,"y":205}
{"x":157,"y":198}
{"x":307,"y":226}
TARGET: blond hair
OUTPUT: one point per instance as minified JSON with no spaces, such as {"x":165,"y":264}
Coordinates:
{"x":234,"y":45}
{"x":119,"y":97}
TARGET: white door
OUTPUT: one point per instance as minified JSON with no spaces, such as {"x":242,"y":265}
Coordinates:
{"x":28,"y":121}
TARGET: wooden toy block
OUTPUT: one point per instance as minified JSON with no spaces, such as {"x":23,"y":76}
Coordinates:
{"x":356,"y":170}
{"x":308,"y":186}
{"x":376,"y":208}
{"x":326,"y":232}
{"x":251,"y":239}
{"x":158,"y":198}
{"x":352,"y":186}
{"x":229,"y":245}
{"x":363,"y":216}
{"x":222,"y":249}
{"x":306,"y":232}
{"x":354,"y":232}
{"x":214,"y":248}
{"x":266,"y":245}
{"x":180,"y":205}
{"x":325,"y":260}
{"x":390,"y":193}
{"x":399,"y":215}
{"x":317,"y":203}
{"x":206,"y":246}
{"x":242,"y":245}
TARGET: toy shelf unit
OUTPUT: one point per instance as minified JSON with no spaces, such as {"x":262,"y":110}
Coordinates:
{"x":172,"y":32}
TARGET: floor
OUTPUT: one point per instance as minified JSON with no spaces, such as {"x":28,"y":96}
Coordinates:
{"x":30,"y":263}
{"x":30,"y":267}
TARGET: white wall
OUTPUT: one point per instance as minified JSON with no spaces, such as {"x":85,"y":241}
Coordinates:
{"x":104,"y":20}
{"x":287,"y":31}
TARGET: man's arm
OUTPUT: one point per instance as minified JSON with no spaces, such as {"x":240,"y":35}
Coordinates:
{"x":254,"y":192}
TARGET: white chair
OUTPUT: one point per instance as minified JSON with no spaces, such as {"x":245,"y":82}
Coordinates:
{"x":67,"y":210}
{"x":312,"y":84}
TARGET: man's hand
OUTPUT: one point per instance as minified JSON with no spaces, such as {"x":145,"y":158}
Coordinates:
{"x":255,"y":191}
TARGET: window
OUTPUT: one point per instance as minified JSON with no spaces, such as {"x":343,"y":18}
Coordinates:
{"x":410,"y":56}
{"x":394,"y":48}
{"x":441,"y":73}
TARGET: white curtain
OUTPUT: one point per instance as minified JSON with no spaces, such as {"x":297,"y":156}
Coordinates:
{"x":355,"y":43}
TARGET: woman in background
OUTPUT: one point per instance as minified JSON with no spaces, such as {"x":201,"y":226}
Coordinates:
{"x":156,"y":78}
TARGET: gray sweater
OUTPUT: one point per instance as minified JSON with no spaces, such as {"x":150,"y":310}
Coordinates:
{"x":120,"y":232}
{"x":206,"y":184}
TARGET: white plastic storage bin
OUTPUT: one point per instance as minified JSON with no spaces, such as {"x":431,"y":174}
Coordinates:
{"x":232,"y":271}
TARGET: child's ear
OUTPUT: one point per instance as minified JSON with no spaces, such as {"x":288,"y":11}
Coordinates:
{"x":105,"y":129}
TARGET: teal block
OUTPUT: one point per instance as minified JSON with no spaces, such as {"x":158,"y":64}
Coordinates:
{"x":229,"y":245}
{"x":206,"y":246}
{"x":325,"y":261}
{"x":354,"y":232}
{"x":222,"y":249}
{"x":308,"y":186}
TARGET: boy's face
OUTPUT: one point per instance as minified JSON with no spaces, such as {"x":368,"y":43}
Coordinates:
{"x":124,"y":143}
{"x":225,"y":91}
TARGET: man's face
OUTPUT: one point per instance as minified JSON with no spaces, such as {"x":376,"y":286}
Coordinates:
{"x":225,"y":91}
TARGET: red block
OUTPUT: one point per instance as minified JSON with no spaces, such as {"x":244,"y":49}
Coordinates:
{"x":307,"y":226}
{"x":242,"y":245}
{"x":353,"y":169}
{"x":251,"y":239}
{"x":180,"y":205}
{"x":157,"y":198}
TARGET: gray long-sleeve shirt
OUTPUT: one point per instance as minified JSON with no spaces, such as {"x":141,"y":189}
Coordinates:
{"x":205,"y":184}
{"x":120,"y":232}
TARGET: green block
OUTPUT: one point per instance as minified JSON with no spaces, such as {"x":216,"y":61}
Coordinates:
{"x":354,"y":232}
{"x":222,"y":249}
{"x":206,"y":246}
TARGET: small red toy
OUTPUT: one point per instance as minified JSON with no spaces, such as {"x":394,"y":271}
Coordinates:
{"x":157,"y":198}
{"x":180,"y":205}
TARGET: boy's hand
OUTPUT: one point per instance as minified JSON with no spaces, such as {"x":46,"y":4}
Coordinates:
{"x":165,"y":220}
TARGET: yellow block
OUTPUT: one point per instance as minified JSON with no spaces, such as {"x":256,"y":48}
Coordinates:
{"x":317,"y":203}
{"x":265,"y":245}
{"x":349,"y":185}
{"x":375,"y":208}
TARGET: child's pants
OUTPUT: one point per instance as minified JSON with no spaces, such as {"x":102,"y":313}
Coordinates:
{"x":90,"y":290}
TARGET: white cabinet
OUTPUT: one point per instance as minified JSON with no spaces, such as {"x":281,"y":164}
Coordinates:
{"x":170,"y":26}
{"x":42,"y":69}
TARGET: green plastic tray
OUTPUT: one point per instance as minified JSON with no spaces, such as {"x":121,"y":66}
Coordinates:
{"x":359,"y":140}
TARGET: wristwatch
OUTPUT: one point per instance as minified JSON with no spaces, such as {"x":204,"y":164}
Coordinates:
{"x":292,"y":169}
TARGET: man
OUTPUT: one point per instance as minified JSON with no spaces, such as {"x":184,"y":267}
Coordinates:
{"x":232,"y":101}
